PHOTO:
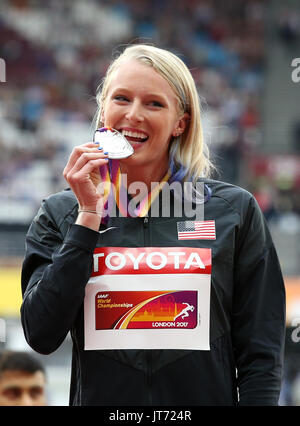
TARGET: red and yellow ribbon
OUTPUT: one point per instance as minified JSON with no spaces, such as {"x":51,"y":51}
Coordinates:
{"x":113,"y":186}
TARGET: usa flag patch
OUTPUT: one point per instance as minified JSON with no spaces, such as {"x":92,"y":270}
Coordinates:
{"x":196,"y":230}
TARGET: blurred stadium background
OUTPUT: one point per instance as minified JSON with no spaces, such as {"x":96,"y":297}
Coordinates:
{"x":240,"y":53}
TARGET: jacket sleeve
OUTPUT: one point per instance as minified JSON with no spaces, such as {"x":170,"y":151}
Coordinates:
{"x":54,"y":274}
{"x":258,"y":312}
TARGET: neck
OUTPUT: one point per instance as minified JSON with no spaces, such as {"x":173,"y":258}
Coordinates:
{"x":144,"y":174}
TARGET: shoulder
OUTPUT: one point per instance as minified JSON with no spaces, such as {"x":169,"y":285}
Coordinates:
{"x":59,"y":208}
{"x":238,"y":206}
{"x":233,"y":197}
{"x":62,"y":201}
{"x":227,"y":191}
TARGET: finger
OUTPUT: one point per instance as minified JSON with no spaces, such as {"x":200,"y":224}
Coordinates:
{"x":76,"y":154}
{"x":85,"y":165}
{"x":88,"y":173}
{"x":87,"y":157}
{"x":78,"y":151}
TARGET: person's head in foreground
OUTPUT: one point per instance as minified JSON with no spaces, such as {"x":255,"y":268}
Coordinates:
{"x":22,"y":380}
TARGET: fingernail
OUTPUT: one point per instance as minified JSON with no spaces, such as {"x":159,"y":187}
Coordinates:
{"x":100,"y":148}
{"x":106,"y":153}
{"x":95,"y":142}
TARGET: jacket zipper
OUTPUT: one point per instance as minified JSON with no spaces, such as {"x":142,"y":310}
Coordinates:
{"x":146,"y":231}
{"x":149,"y":376}
{"x":148,"y":352}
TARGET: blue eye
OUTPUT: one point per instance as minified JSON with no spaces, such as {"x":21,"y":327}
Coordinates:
{"x":121,"y":98}
{"x":156,"y":104}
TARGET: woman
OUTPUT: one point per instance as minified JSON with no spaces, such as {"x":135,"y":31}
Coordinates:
{"x":162,"y":310}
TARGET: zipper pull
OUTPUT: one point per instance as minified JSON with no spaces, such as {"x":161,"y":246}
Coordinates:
{"x":146,"y":221}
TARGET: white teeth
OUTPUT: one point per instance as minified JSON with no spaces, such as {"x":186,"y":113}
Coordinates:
{"x":134,"y":134}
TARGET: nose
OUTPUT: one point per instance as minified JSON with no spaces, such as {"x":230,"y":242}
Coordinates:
{"x":25,"y":400}
{"x":134,"y":112}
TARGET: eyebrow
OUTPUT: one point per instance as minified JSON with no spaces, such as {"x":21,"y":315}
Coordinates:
{"x":150,"y":95}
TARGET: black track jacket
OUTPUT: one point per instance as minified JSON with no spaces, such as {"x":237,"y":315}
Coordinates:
{"x":247,"y":307}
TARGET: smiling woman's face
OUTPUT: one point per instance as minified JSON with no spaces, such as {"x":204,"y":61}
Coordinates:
{"x":142,"y":105}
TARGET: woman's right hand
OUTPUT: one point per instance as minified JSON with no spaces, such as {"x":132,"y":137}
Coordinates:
{"x":83,"y":175}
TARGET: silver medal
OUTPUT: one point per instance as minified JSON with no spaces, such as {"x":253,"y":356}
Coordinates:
{"x":113,"y":142}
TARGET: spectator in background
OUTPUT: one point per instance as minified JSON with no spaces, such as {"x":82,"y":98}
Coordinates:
{"x":289,"y":27}
{"x":296,"y":136}
{"x":22,"y":380}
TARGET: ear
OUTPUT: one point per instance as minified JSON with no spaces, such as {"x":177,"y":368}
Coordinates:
{"x":181,"y":125}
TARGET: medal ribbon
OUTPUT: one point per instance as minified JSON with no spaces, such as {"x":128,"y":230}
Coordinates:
{"x":113,"y":187}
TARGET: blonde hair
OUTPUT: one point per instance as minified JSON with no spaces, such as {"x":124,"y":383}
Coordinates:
{"x":188,"y":153}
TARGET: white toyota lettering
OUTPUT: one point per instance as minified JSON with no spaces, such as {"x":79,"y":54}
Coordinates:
{"x":136,"y":260}
{"x":121,"y":264}
{"x":163,"y":257}
{"x":176,"y":255}
{"x":96,"y":261}
{"x":195,"y":260}
{"x":154,"y":260}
